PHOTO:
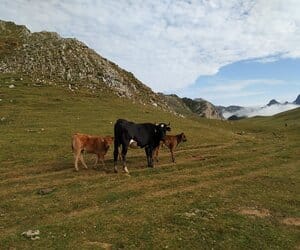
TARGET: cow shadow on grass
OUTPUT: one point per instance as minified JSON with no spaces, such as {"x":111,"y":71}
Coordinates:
{"x":133,"y":162}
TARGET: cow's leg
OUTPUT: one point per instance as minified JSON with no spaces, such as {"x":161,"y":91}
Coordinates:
{"x":155,"y":153}
{"x":120,"y":156}
{"x":76,"y":156}
{"x":97,"y":160}
{"x":101,"y":157}
{"x":82,"y":160}
{"x":149,"y":154}
{"x":151,"y":157}
{"x":116,"y":154}
{"x":172,"y":155}
{"x":124,"y":152}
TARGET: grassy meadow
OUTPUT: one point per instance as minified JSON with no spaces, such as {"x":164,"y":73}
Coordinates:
{"x":235,"y":185}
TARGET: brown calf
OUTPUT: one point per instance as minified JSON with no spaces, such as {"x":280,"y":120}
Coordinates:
{"x":171,"y":141}
{"x":91,"y":144}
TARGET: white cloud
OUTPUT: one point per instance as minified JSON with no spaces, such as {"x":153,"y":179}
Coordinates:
{"x":169,"y":44}
{"x":267,"y":60}
{"x":261,"y":111}
{"x":238,"y":85}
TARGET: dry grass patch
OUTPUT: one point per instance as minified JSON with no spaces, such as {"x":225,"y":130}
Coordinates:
{"x":291,"y":221}
{"x":101,"y":245}
{"x":261,"y":213}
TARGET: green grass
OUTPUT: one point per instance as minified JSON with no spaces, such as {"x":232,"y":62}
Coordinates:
{"x":193,"y":204}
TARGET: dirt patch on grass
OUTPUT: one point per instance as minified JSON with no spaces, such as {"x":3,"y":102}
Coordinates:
{"x":102,"y":245}
{"x":291,"y":221}
{"x":261,"y":213}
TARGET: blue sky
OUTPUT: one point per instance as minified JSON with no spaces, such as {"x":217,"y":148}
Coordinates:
{"x":249,"y":82}
{"x":242,"y":52}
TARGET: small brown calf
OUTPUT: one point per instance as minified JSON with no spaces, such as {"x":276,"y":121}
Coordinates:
{"x":171,"y":141}
{"x":90,"y":144}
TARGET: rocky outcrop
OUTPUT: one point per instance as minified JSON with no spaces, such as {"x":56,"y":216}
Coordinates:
{"x":48,"y":58}
{"x":176,"y":104}
{"x":187,"y":106}
{"x":203,"y":108}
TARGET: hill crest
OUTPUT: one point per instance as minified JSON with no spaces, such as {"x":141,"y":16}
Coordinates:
{"x":48,"y":58}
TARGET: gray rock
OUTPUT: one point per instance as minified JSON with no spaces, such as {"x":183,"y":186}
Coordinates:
{"x":32,"y":234}
{"x":44,"y":191}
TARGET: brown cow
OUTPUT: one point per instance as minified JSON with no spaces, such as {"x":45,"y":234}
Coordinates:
{"x":171,"y":141}
{"x":90,"y":144}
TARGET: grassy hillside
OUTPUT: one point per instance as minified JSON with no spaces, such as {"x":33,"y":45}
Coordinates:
{"x":235,"y":184}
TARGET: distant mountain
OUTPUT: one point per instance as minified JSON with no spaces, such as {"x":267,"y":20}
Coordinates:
{"x":230,"y":109}
{"x":203,"y":108}
{"x":235,"y":118}
{"x":272,"y":102}
{"x":297,"y":101}
{"x":272,"y":108}
{"x":187,"y":106}
{"x":176,"y":104}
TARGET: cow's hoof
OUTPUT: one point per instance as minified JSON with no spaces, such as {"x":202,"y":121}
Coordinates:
{"x":125,"y":170}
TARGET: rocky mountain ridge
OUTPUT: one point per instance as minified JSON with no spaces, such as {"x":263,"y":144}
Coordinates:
{"x":48,"y":58}
{"x":187,"y":106}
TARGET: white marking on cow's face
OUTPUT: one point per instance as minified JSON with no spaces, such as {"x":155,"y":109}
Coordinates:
{"x":162,"y":125}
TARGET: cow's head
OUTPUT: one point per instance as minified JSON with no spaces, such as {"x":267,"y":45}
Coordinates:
{"x":162,"y":129}
{"x":108,"y":140}
{"x":183,"y":137}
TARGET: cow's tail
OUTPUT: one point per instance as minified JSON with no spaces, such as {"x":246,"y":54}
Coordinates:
{"x":73,"y":142}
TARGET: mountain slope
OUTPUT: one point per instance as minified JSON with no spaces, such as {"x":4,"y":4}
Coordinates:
{"x":187,"y":106}
{"x":176,"y":103}
{"x":203,"y":108}
{"x":48,"y":58}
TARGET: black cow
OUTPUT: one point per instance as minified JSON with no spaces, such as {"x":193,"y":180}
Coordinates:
{"x":144,"y":135}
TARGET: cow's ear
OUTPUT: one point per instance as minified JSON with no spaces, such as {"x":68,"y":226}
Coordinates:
{"x":168,"y":128}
